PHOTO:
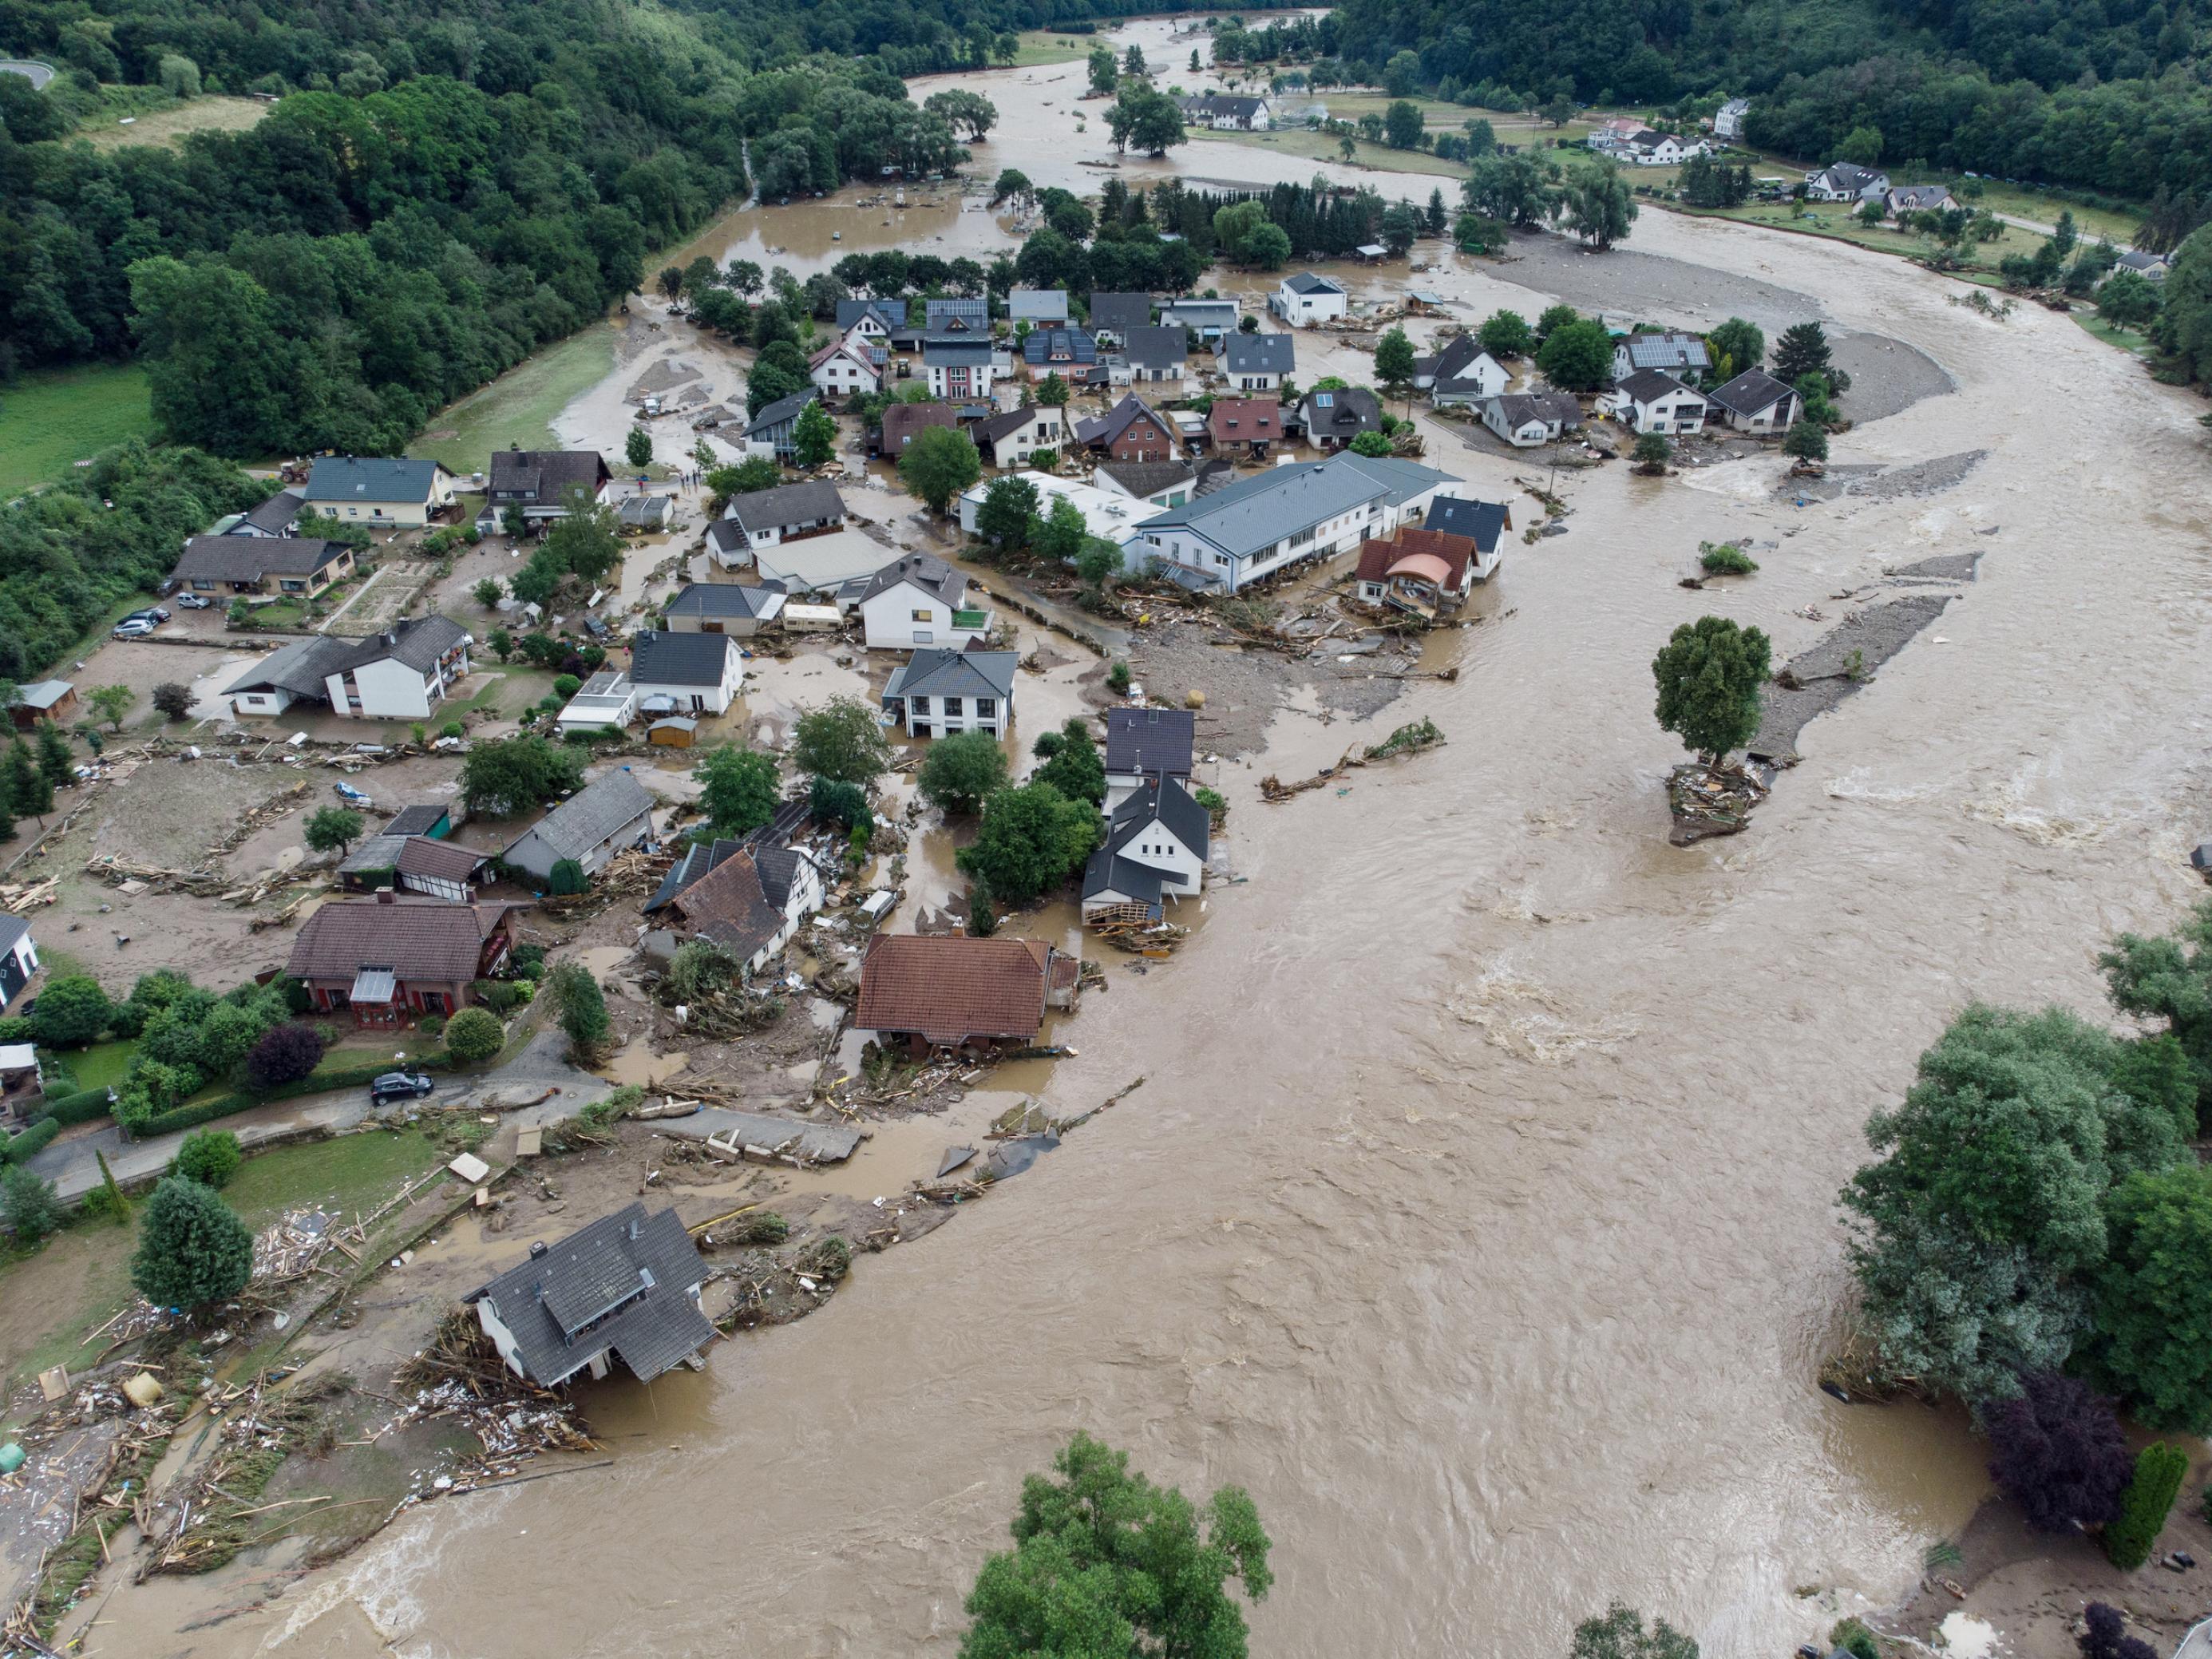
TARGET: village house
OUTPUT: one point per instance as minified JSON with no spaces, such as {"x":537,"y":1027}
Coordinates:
{"x":1208,"y":319}
{"x":391,"y":960}
{"x":958,"y":314}
{"x":1756,"y":401}
{"x":1011,"y":439}
{"x":917,"y":600}
{"x":1729,"y":122}
{"x":1128,"y":432}
{"x":1257,"y":362}
{"x":42,"y":700}
{"x":1158,"y":838}
{"x":1846,"y":182}
{"x":402,"y":673}
{"x":1333,"y":419}
{"x":19,"y":957}
{"x":381,"y":493}
{"x":1418,"y":570}
{"x":959,"y":367}
{"x":1147,"y":743}
{"x":1228,"y":112}
{"x":774,"y":432}
{"x":749,"y":896}
{"x":607,"y":815}
{"x":1113,"y":315}
{"x":1107,"y":513}
{"x":1305,"y":300}
{"x":1154,"y":484}
{"x":1649,"y":401}
{"x":936,"y":693}
{"x":1919,"y":198}
{"x":626,"y":1286}
{"x":1671,"y":354}
{"x":261,"y":564}
{"x":1156,"y":354}
{"x":1292,"y":514}
{"x":787,"y":512}
{"x":414,"y":864}
{"x":545,"y":485}
{"x":1045,"y":307}
{"x":1461,"y":373}
{"x":875,"y":320}
{"x":1244,"y":425}
{"x":685,"y":673}
{"x":902,"y":421}
{"x":1483,"y":523}
{"x":606,"y":701}
{"x":953,"y":992}
{"x":1525,"y":419}
{"x":2151,"y":267}
{"x":1070,"y":353}
{"x":845,"y":368}
{"x":722,"y":608}
{"x":277,"y":516}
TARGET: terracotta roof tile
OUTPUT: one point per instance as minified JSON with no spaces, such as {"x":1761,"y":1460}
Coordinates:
{"x":951,"y":989}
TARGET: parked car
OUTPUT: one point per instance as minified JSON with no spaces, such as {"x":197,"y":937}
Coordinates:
{"x":194,"y":601}
{"x":133,"y":628}
{"x":400,"y":1085}
{"x":153,"y":613}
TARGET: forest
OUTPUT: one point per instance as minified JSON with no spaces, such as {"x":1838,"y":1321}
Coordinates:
{"x":2105,"y":96}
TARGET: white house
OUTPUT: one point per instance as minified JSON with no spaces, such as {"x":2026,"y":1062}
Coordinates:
{"x":685,"y":673}
{"x":1671,"y":354}
{"x":1756,"y":401}
{"x":1305,"y":300}
{"x":1292,"y":514}
{"x":402,"y":673}
{"x":1106,"y":512}
{"x":1147,"y":743}
{"x":1462,"y":374}
{"x":1843,"y":181}
{"x":377,"y":492}
{"x":937,"y":693}
{"x":872,"y":321}
{"x":1158,"y":838}
{"x":960,"y":370}
{"x":1647,"y":401}
{"x":607,"y":815}
{"x":844,"y":369}
{"x":749,"y":896}
{"x":1208,"y":319}
{"x":1257,"y":362}
{"x":627,"y":1286}
{"x":1525,"y":419}
{"x":787,"y":513}
{"x":918,"y":600}
{"x":1728,"y":124}
{"x":544,"y":484}
{"x":1228,"y":112}
{"x":1009,"y":440}
{"x":1650,"y":149}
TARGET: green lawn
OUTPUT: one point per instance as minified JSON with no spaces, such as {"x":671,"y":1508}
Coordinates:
{"x":52,"y":419}
{"x":2125,"y":338}
{"x":2044,"y":209}
{"x":101,"y":1065}
{"x":514,"y":687}
{"x":352,"y":1174}
{"x":1982,"y":258}
{"x":518,"y":409}
{"x":1046,"y":46}
{"x":1321,"y":147}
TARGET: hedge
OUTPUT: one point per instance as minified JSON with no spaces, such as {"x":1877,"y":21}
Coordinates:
{"x":2160,"y":1471}
{"x":33,"y":1140}
{"x":82,"y":1107}
{"x":192,"y":1116}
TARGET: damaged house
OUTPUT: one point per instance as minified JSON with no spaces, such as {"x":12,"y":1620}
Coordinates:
{"x":1158,"y":839}
{"x":605,"y":816}
{"x":749,"y":896}
{"x":954,"y":992}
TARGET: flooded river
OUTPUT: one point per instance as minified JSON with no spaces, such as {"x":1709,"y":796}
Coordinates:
{"x":1476,"y":1215}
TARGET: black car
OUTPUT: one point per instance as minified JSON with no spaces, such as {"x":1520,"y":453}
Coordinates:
{"x":400,"y":1085}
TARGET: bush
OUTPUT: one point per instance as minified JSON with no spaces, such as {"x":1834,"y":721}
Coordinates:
{"x":283,"y":1055}
{"x":845,"y":804}
{"x":32,"y":1141}
{"x":528,"y":961}
{"x":583,"y":1009}
{"x":566,"y":686}
{"x":567,"y":877}
{"x":82,"y":1107}
{"x":473,"y":1037}
{"x":1851,"y":1636}
{"x":499,"y":996}
{"x":28,"y":1206}
{"x":431,"y":1026}
{"x":1117,"y":677}
{"x":192,"y":1248}
{"x":209,"y":1157}
{"x":173,"y":700}
{"x":453,"y":729}
{"x":1212,"y":800}
{"x":762,"y":1227}
{"x":1724,"y":559}
{"x":2106,"y":1635}
{"x":2160,"y":1470}
{"x":207,"y":1111}
{"x":72,"y":1012}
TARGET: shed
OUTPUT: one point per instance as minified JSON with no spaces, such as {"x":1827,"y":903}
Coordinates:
{"x":677,"y":732}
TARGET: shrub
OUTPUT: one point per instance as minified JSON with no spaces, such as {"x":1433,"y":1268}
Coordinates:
{"x":763,"y":1227}
{"x":566,"y":686}
{"x":82,"y":1107}
{"x":431,"y":1026}
{"x":33,"y":1140}
{"x":209,"y":1157}
{"x":453,"y":729}
{"x":1212,"y":800}
{"x":72,"y":1012}
{"x":1117,"y":677}
{"x":473,"y":1037}
{"x":1724,"y":559}
{"x":528,"y":960}
{"x":498,"y":995}
{"x":283,"y":1055}
{"x":192,"y":1248}
{"x":28,"y":1204}
{"x":845,"y":804}
{"x":1852,"y":1636}
{"x":2160,"y":1470}
{"x":2106,"y":1635}
{"x":567,"y":877}
{"x":583,"y":1009}
{"x":173,"y":700}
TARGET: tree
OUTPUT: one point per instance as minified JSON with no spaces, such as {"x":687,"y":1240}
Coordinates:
{"x":813,"y":436}
{"x":1098,"y":561}
{"x":173,"y":699}
{"x":2160,"y":1471}
{"x":669,"y":282}
{"x":1709,"y":674}
{"x":1012,"y":183}
{"x":565,"y":879}
{"x":72,"y":1012}
{"x":56,"y":762}
{"x":1394,"y":362}
{"x":333,"y":829}
{"x":488,"y":593}
{"x":192,"y":1249}
{"x":1133,"y":61}
{"x":1072,"y":764}
{"x":1033,"y":838}
{"x":842,"y":740}
{"x":739,"y":789}
{"x":1150,"y":121}
{"x":1267,"y":248}
{"x":2127,"y":299}
{"x":2056,"y":1451}
{"x":1105,"y":71}
{"x":1372,"y":444}
{"x":1806,"y":441}
{"x":1652,"y":452}
{"x":28,"y":1204}
{"x":1597,"y":203}
{"x":1398,"y":226}
{"x":2106,"y":1635}
{"x":283,"y":1054}
{"x":1105,"y":1562}
{"x":2153,"y":1300}
{"x":501,"y":644}
{"x":512,"y":774}
{"x":585,"y":542}
{"x":29,"y":794}
{"x":1402,"y":76}
{"x":1006,"y":512}
{"x":112,"y":702}
{"x":1402,"y":125}
{"x":1618,"y":1633}
{"x":1741,"y":343}
{"x":637,"y":447}
{"x":1554,"y":318}
{"x":1505,"y":334}
{"x":1347,"y":145}
{"x":1578,"y":356}
{"x":1058,"y":536}
{"x":473,"y":1036}
{"x":1802,"y":349}
{"x":2065,"y":233}
{"x":754,"y":473}
{"x":2170,"y":979}
{"x":583,"y":1010}
{"x":963,"y":111}
{"x":1051,"y":392}
{"x":832,"y":800}
{"x":961,"y":770}
{"x":209,"y":1157}
{"x":938,"y":464}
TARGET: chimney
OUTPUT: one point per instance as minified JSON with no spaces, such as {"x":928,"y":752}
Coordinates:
{"x":636,"y":1230}
{"x":383,"y":896}
{"x":390,"y":636}
{"x":537,"y":1248}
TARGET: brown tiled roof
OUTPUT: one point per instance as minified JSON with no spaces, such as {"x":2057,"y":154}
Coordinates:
{"x":902,"y":421}
{"x":1255,"y":417}
{"x":422,"y":855}
{"x":948,"y":989}
{"x":1375,"y":558}
{"x":416,"y":938}
{"x":728,"y":906}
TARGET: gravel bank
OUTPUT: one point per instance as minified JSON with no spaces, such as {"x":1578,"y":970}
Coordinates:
{"x":1244,"y":687}
{"x":1877,"y":634}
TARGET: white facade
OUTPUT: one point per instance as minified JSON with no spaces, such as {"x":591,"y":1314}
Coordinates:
{"x":1045,"y":428}
{"x":846,"y":372}
{"x":1303,"y":310}
{"x":17,"y":964}
{"x":688,"y":698}
{"x":940,"y":717}
{"x":1105,"y":513}
{"x":1484,"y":377}
{"x":964,"y":382}
{"x":807,"y":896}
{"x":1342,"y":533}
{"x":1727,"y":125}
{"x":904,"y":617}
{"x":1523,"y":432}
{"x":386,"y":690}
{"x":1678,"y":411}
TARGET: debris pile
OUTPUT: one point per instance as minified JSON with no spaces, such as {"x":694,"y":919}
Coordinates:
{"x":293,"y":1245}
{"x":1708,"y":801}
{"x":459,"y":1375}
{"x":200,"y":1522}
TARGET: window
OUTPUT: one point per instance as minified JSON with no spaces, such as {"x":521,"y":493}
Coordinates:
{"x":1301,"y":539}
{"x":917,"y":705}
{"x":952,"y":707}
{"x":987,"y":708}
{"x":921,"y":615}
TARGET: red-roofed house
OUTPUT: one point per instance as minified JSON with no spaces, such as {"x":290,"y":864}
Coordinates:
{"x":1423,"y":571}
{"x":953,"y":992}
{"x":1246,"y":425}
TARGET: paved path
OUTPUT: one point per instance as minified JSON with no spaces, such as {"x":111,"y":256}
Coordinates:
{"x":38,"y":74}
{"x":71,"y":1166}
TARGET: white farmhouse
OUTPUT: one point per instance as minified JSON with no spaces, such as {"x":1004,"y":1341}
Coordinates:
{"x":937,"y":693}
{"x":918,"y":600}
{"x":1305,"y":300}
{"x":845,"y":368}
{"x":686,"y":674}
{"x":402,"y":673}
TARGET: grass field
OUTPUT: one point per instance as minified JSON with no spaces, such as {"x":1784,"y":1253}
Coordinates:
{"x":1047,"y":46}
{"x":170,"y":122}
{"x":1321,"y":147}
{"x":2125,"y":338}
{"x":49,"y":420}
{"x":101,"y":1065}
{"x":518,"y":409}
{"x":1982,"y":258}
{"x":351,"y":1174}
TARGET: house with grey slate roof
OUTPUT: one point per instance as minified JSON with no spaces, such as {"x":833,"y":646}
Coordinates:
{"x":379,"y":492}
{"x":607,"y":815}
{"x":787,"y":513}
{"x":234,"y":565}
{"x":1113,"y":315}
{"x":1157,"y":837}
{"x":1147,"y":743}
{"x":402,"y":673}
{"x":685,"y":673}
{"x":1257,"y":362}
{"x":959,"y":366}
{"x":545,"y":485}
{"x":723,"y":608}
{"x":1756,"y":401}
{"x":1208,"y":319}
{"x":624,"y":1287}
{"x":277,"y":516}
{"x":1304,"y":300}
{"x":1156,"y":354}
{"x":773,"y":431}
{"x":918,"y":599}
{"x":937,"y":693}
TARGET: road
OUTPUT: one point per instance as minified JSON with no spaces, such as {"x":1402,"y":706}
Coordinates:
{"x":72,"y":1166}
{"x":37,"y":74}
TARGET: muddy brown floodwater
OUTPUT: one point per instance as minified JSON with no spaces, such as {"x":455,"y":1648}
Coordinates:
{"x":1478,"y":1215}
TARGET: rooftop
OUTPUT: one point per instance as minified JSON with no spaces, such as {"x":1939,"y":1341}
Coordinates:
{"x":370,"y":478}
{"x":936,"y":672}
{"x":1151,"y":740}
{"x":1259,"y":353}
{"x":949,"y":989}
{"x":926,"y":571}
{"x":252,"y":558}
{"x":1251,"y":515}
{"x":620,"y":1284}
{"x":672,"y":659}
{"x":784,"y":505}
{"x":595,"y":813}
{"x":413,"y":938}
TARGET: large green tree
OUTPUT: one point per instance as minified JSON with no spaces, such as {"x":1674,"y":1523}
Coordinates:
{"x":1394,"y":362}
{"x":1596,"y":203}
{"x":1578,"y":356}
{"x":508,"y":774}
{"x":739,"y":789}
{"x":938,"y":464}
{"x":2170,"y":979}
{"x":2152,"y":1302}
{"x":1618,"y":1633}
{"x":842,"y":740}
{"x":961,"y":770}
{"x":1072,"y":764}
{"x":1709,"y":675}
{"x":1033,"y":839}
{"x":192,"y":1249}
{"x":1107,"y":1566}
